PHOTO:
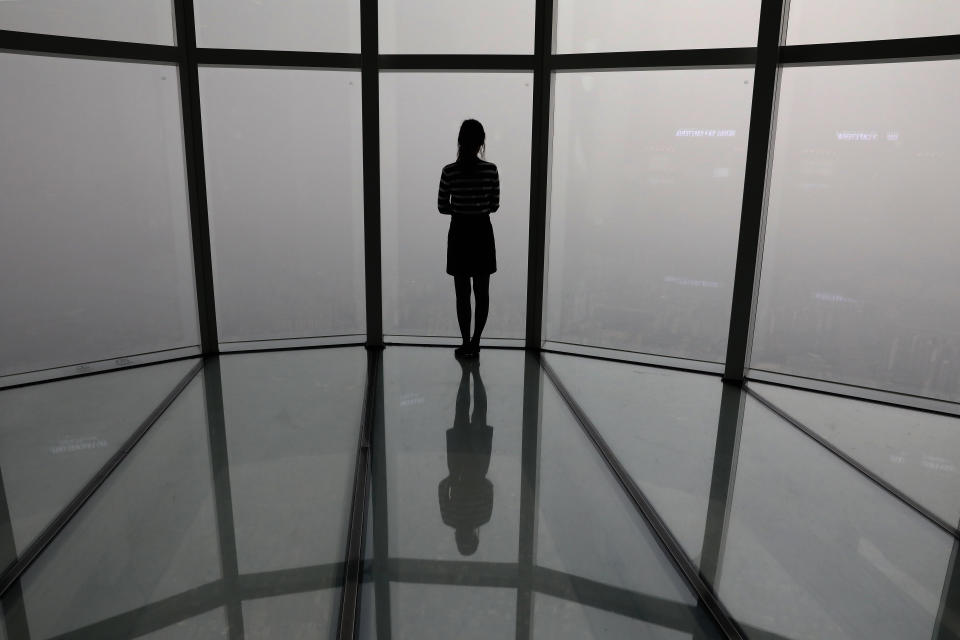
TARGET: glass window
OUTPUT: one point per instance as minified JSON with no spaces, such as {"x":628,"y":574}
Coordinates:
{"x":149,"y":21}
{"x":859,"y":282}
{"x":95,"y":252}
{"x":587,"y":26}
{"x":646,"y":186}
{"x":441,"y":26}
{"x":282,"y":25}
{"x":285,"y":192}
{"x":420,"y":117}
{"x":827,"y":21}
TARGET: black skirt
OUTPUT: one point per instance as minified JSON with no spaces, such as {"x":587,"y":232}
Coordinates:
{"x":470,"y":247}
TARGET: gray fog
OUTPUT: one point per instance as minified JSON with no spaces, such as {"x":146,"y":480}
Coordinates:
{"x":284,"y":172}
{"x":860,"y":281}
{"x":646,"y":184}
{"x":95,"y":253}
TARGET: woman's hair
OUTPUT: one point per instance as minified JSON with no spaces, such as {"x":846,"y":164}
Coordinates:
{"x":470,"y":141}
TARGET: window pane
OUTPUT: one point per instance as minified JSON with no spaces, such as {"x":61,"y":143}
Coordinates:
{"x":828,"y":21}
{"x":420,"y":116}
{"x":95,"y":253}
{"x":149,"y":21}
{"x":859,"y":282}
{"x":646,"y":186}
{"x":283,"y":25}
{"x":285,"y":191}
{"x":441,"y":26}
{"x":586,"y":26}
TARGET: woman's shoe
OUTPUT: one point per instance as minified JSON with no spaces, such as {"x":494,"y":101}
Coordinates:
{"x":462,"y":351}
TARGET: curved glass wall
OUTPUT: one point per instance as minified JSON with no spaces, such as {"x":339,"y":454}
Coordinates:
{"x":824,"y":21}
{"x":645,"y":192}
{"x":588,"y":26}
{"x":285,"y":195}
{"x":95,"y":254}
{"x":439,"y":26}
{"x":859,"y":270}
{"x":282,"y":25}
{"x":120,"y":157}
{"x":147,"y":21}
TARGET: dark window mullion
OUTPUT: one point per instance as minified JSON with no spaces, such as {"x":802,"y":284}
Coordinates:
{"x":196,"y":176}
{"x":370,"y":83}
{"x":539,"y":170}
{"x":752,"y":213}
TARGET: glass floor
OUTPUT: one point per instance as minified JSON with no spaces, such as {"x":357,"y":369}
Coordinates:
{"x":215,"y":501}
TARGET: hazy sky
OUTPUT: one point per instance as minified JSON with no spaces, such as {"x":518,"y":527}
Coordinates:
{"x":95,"y":254}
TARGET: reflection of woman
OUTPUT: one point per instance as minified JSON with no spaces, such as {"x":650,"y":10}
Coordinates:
{"x":469,"y":193}
{"x":466,"y":496}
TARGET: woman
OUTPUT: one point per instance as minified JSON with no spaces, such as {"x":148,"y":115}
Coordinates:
{"x":469,"y":193}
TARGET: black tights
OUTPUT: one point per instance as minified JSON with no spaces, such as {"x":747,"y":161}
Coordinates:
{"x":481,"y":291}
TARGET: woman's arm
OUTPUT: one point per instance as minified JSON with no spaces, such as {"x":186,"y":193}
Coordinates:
{"x":495,"y":191}
{"x":443,"y":195}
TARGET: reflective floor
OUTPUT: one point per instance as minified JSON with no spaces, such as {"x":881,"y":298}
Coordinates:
{"x":490,"y":512}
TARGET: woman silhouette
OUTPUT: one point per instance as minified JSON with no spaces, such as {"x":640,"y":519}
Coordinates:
{"x":469,"y":193}
{"x":466,"y":495}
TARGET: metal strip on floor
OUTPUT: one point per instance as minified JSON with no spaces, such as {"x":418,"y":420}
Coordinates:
{"x":353,"y":567}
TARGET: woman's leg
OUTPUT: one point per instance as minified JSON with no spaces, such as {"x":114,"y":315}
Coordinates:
{"x":462,"y":286}
{"x":479,"y":418}
{"x":481,"y":291}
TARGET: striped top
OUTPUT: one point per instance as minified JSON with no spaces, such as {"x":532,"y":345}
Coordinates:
{"x":469,"y":188}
